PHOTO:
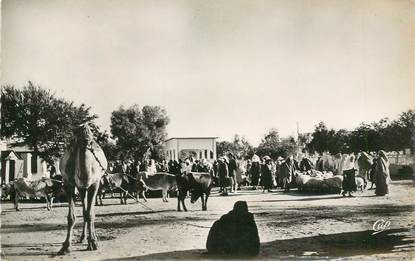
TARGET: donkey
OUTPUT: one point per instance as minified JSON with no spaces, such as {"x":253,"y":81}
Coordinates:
{"x":82,"y":166}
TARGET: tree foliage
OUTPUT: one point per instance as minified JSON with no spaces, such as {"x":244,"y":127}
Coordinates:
{"x":34,"y":116}
{"x":139,"y":133}
{"x":272,"y":145}
{"x":400,"y":133}
{"x":103,"y":138}
{"x":325,"y":139}
{"x":384,"y":134}
{"x":239,"y":146}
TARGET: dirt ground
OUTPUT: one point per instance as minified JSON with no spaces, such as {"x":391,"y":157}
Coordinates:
{"x":291,"y":226}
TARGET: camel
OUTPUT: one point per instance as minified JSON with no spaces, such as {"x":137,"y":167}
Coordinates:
{"x":82,"y":165}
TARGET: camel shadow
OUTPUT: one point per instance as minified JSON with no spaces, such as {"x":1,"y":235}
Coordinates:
{"x":33,"y":245}
{"x":104,"y":224}
{"x":322,"y":246}
{"x":34,"y":249}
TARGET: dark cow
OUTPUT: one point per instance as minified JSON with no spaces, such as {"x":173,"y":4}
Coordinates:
{"x":44,"y":187}
{"x":199,"y":184}
{"x":120,"y":183}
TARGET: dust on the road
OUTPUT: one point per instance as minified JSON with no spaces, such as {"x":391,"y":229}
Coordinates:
{"x":289,"y":224}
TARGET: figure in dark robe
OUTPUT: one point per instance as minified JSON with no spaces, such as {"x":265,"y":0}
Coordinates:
{"x":234,"y":234}
{"x":382,"y":176}
{"x":232,"y":166}
{"x":255,"y":171}
{"x":349,"y":182}
{"x":223,"y":174}
{"x":266,"y":175}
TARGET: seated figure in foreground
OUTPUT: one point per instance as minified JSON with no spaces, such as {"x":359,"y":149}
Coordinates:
{"x":235,"y":233}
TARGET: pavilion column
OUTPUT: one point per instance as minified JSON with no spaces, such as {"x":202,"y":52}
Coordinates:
{"x":56,"y":164}
{"x":177,"y":151}
{"x":6,"y":172}
{"x":27,"y":166}
{"x":45,"y":172}
{"x":214,"y":149}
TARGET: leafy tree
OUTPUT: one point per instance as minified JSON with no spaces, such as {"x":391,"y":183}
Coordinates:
{"x":369,"y":137}
{"x":273,"y":146}
{"x":157,"y":152}
{"x":288,"y":147}
{"x":324,"y":139}
{"x":400,"y":133}
{"x":139,"y":132}
{"x":107,"y":144}
{"x":383,"y":134}
{"x":223,"y":147}
{"x":239,"y":146}
{"x":321,"y":136}
{"x":33,"y":116}
{"x":270,"y":144}
{"x":339,"y":141}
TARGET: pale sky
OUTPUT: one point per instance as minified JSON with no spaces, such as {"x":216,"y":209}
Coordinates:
{"x":219,"y":67}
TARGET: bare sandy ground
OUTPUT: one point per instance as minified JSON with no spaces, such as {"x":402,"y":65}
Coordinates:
{"x":291,"y":226}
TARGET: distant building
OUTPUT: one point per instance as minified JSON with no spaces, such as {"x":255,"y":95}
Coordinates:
{"x":198,"y":147}
{"x":20,"y":162}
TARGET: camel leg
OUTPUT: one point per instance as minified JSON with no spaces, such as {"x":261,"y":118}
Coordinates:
{"x":143,"y":193}
{"x":178,"y":204}
{"x":16,"y":201}
{"x":179,"y":198}
{"x":99,"y":198}
{"x":206,"y":199}
{"x":66,"y":248}
{"x":52,"y":198}
{"x":92,"y":237}
{"x":84,"y":201}
{"x":164,"y":193}
{"x":125,"y":197}
{"x":184,"y":206}
{"x":47,"y":202}
{"x":202,"y":198}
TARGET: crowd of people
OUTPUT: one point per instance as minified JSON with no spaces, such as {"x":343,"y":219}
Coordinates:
{"x":265,"y":173}
{"x":231,"y":173}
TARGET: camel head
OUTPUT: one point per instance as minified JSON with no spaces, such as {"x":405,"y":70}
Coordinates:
{"x":83,"y":135}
